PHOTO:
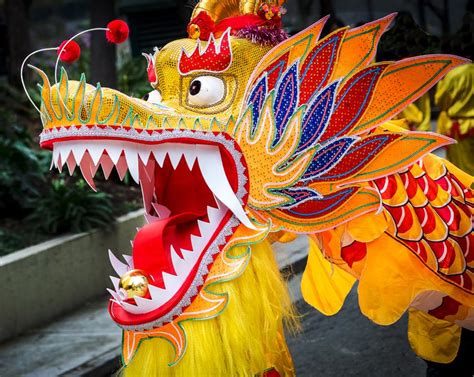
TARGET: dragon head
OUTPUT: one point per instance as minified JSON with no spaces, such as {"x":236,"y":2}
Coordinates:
{"x":242,"y":135}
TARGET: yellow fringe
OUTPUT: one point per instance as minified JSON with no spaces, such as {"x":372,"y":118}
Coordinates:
{"x":246,"y":339}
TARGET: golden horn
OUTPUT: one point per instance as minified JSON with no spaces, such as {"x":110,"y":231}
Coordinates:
{"x":220,"y":9}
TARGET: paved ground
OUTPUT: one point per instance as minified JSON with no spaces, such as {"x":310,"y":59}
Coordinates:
{"x":86,"y":342}
{"x":348,"y":344}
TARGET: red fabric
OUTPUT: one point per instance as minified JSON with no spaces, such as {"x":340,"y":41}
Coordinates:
{"x":118,"y":31}
{"x":354,"y":252}
{"x":207,"y":26}
{"x":205,"y":23}
{"x":70,"y":53}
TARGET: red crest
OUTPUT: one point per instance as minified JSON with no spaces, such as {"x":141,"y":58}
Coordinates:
{"x":216,"y":57}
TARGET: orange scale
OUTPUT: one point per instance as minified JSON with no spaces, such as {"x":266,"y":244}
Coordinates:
{"x":427,"y":219}
{"x":457,"y":190}
{"x":450,"y":257}
{"x":464,"y":208}
{"x":410,"y":228}
{"x":450,"y":215}
{"x":393,"y":192}
{"x":428,"y":186}
{"x":387,"y":186}
{"x":417,"y":171}
{"x":419,"y":248}
{"x":410,"y":184}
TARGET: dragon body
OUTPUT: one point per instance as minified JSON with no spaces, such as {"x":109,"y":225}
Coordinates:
{"x":241,"y":140}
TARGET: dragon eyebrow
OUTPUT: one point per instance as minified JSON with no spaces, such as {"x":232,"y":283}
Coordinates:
{"x":216,"y":56}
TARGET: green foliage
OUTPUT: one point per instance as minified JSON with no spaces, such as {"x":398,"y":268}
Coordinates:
{"x":21,"y":168}
{"x":405,"y":39}
{"x":71,"y":208}
{"x":132,"y":77}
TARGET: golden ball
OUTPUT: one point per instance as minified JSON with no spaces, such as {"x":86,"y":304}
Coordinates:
{"x":134,"y":283}
{"x":193,"y":31}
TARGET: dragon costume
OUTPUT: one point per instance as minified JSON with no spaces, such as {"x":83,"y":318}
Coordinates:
{"x":251,"y":135}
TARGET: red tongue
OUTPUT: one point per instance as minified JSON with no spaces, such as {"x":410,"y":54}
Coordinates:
{"x":151,"y":246}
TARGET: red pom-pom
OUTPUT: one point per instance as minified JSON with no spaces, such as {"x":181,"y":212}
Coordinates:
{"x":118,"y":31}
{"x":70,"y":53}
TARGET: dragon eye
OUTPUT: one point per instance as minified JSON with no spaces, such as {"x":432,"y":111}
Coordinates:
{"x":153,"y":97}
{"x":206,"y":91}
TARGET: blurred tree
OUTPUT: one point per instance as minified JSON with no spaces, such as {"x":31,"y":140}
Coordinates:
{"x":18,"y":35}
{"x":326,"y":7}
{"x":103,"y":54}
{"x":406,"y":39}
{"x":442,"y":12}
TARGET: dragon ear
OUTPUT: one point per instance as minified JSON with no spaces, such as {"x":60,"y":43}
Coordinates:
{"x":286,"y":52}
{"x":402,"y":83}
{"x":359,"y":46}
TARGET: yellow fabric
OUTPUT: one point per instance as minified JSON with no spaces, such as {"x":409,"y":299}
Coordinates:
{"x":324,"y":285}
{"x":393,"y":277}
{"x":455,"y":98}
{"x":244,"y":340}
{"x":368,"y":227}
{"x":418,"y":114}
{"x":431,"y":338}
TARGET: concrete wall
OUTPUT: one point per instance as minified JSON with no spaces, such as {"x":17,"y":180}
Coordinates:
{"x":47,"y":280}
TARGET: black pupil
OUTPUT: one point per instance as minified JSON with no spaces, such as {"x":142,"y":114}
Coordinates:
{"x":195,"y":87}
{"x":145,"y":97}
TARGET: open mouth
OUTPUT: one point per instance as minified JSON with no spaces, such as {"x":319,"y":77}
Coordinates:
{"x":194,"y":190}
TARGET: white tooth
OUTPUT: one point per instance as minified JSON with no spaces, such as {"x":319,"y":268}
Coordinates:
{"x":159,"y":154}
{"x":144,"y":304}
{"x":114,"y":152}
{"x":149,"y":170}
{"x":122,"y":294}
{"x":205,"y":228}
{"x":172,"y":282}
{"x":107,"y":165}
{"x":71,"y":163}
{"x":198,"y":243}
{"x":128,"y":259}
{"x":121,"y":167}
{"x":56,"y":155}
{"x":115,"y":282}
{"x":114,"y":294}
{"x":64,"y":151}
{"x":95,"y":151}
{"x":190,"y":154}
{"x":86,"y":170}
{"x":144,"y":153}
{"x":78,"y":151}
{"x":179,"y":265}
{"x":60,"y":164}
{"x":147,"y":186}
{"x":119,"y":267}
{"x":214,"y":214}
{"x":159,"y":296}
{"x":162,"y":211}
{"x":189,"y":256}
{"x":151,"y":219}
{"x":213,"y":172}
{"x":51,"y":166}
{"x":175,"y":154}
{"x":131,"y":308}
{"x":131,"y":157}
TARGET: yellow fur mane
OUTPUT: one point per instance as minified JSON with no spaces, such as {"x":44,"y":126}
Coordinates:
{"x":246,"y":339}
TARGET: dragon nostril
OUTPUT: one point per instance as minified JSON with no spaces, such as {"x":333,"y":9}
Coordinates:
{"x":145,"y":97}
